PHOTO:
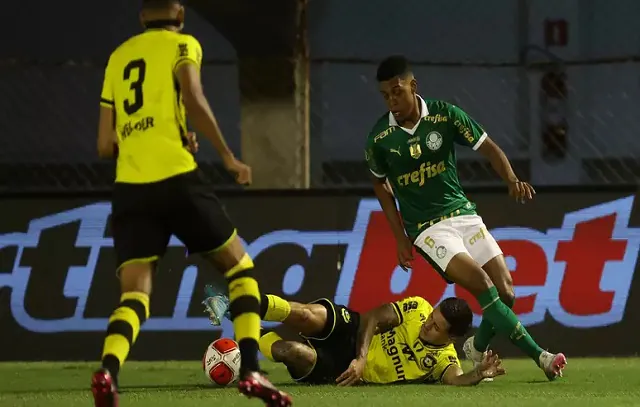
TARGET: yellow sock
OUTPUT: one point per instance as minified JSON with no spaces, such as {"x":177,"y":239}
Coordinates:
{"x":244,"y":299}
{"x":123,"y":329}
{"x":266,"y":342}
{"x":276,"y":309}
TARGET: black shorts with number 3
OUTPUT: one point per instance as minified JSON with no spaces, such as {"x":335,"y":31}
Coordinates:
{"x":144,"y":216}
{"x":335,"y":346}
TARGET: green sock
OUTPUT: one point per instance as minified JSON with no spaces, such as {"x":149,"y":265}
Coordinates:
{"x":505,"y":322}
{"x":483,"y":335}
{"x":486,"y":332}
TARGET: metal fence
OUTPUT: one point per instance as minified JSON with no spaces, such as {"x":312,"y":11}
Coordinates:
{"x":563,"y":115}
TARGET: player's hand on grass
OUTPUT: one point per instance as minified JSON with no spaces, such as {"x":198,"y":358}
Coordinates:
{"x":491,"y":366}
{"x":521,"y":191}
{"x":405,"y":253}
{"x":353,"y":374}
{"x":241,"y":170}
{"x":192,"y":141}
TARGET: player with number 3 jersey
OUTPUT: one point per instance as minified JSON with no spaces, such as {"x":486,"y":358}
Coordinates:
{"x":152,"y":81}
{"x":412,"y":148}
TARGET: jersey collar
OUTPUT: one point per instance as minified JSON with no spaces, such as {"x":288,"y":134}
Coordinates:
{"x":423,"y":112}
{"x":160,"y":24}
{"x":429,"y":344}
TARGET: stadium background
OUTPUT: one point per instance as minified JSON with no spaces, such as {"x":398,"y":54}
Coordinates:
{"x":555,"y":83}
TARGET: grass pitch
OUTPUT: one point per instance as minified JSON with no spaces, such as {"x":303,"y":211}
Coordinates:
{"x":587,"y":382}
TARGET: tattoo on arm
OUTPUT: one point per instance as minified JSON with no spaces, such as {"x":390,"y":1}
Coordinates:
{"x":387,"y":318}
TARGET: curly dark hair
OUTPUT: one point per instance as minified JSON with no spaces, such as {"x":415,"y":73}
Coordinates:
{"x":458,"y":314}
{"x":390,"y":67}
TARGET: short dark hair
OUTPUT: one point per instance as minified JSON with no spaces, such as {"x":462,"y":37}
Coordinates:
{"x":458,"y":314}
{"x":390,"y":67}
{"x":159,"y":4}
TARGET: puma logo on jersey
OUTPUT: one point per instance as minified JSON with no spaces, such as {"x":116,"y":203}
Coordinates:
{"x":393,"y":150}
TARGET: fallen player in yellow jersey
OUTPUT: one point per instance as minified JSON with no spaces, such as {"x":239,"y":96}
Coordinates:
{"x":404,"y":341}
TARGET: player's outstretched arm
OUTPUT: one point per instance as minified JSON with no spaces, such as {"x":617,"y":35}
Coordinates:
{"x":200,"y":113}
{"x":379,"y":320}
{"x":198,"y":108}
{"x":491,"y":366}
{"x":519,"y":190}
{"x":387,"y":202}
{"x":498,"y":160}
{"x":469,"y":133}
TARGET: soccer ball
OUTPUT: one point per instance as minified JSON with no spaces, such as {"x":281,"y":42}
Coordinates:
{"x":221,"y":362}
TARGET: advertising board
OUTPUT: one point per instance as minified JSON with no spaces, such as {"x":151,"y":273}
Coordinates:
{"x":573,"y":258}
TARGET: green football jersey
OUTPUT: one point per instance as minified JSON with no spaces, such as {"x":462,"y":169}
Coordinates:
{"x":420,"y":163}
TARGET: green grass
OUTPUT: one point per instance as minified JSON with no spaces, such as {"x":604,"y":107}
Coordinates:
{"x":587,"y":382}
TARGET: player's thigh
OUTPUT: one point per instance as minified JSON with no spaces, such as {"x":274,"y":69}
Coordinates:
{"x":139,"y":234}
{"x":439,"y":244}
{"x":468,"y":274}
{"x":480,"y":244}
{"x":202,"y":224}
{"x":339,"y":325}
{"x":332,"y":359}
{"x":307,"y":319}
{"x":485,"y":251}
{"x":336,"y":345}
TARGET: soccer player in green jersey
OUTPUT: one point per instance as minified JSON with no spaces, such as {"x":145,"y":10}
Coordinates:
{"x":412,"y":147}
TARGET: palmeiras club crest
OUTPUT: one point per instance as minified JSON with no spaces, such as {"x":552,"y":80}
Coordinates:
{"x":434,"y":140}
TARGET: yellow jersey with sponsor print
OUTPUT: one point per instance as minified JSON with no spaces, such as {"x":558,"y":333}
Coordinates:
{"x":399,"y":355}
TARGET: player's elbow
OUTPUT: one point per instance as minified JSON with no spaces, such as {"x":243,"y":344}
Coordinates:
{"x":452,"y":382}
{"x":452,"y":377}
